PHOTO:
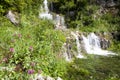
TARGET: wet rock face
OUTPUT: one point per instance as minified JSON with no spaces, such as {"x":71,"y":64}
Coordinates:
{"x":101,"y":2}
{"x":67,"y":49}
{"x":13,"y":17}
{"x":107,"y":3}
{"x":107,"y":6}
{"x":80,"y":43}
{"x":110,"y":3}
{"x":104,"y":43}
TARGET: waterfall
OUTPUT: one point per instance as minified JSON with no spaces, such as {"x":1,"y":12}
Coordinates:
{"x":76,"y":35}
{"x":45,"y":11}
{"x":92,"y":45}
{"x":66,"y":52}
{"x":46,"y":6}
{"x":58,"y":20}
{"x":94,"y":40}
{"x":62,"y":21}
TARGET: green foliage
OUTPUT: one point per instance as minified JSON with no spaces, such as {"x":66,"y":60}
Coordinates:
{"x":83,"y":12}
{"x":19,"y":5}
{"x":115,"y":46}
{"x":94,"y":68}
{"x":32,"y":45}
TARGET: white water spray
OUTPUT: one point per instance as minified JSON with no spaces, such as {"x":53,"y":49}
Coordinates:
{"x":58,"y":20}
{"x":66,"y":54}
{"x":45,"y":11}
{"x":92,"y":45}
{"x":46,"y":6}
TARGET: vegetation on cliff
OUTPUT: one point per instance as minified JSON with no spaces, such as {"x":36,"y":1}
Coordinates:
{"x":35,"y":45}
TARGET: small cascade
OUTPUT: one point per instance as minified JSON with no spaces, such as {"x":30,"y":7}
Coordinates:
{"x":45,"y":11}
{"x":59,"y":22}
{"x":76,"y":35}
{"x":62,"y":21}
{"x":94,"y":40}
{"x":66,"y":52}
{"x":46,"y":6}
{"x":56,"y":18}
{"x":92,"y":45}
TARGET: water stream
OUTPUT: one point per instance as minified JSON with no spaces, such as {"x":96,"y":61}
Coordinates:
{"x":57,"y":19}
{"x":45,"y":11}
{"x":76,"y":35}
{"x":91,"y":44}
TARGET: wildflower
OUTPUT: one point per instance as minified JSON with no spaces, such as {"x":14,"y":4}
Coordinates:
{"x":31,"y":71}
{"x":12,"y":50}
{"x":5,"y":59}
{"x":19,"y":35}
{"x":31,"y":48}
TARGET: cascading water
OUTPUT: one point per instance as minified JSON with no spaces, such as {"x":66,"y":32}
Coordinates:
{"x":76,"y":35}
{"x":66,"y":52}
{"x":94,"y":40}
{"x":45,"y":6}
{"x":59,"y":22}
{"x":92,"y":45}
{"x":62,"y":21}
{"x":45,"y":11}
{"x":57,"y":19}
